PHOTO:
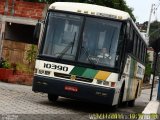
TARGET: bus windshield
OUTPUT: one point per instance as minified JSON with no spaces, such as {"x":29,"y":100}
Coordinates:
{"x":62,"y":35}
{"x":99,"y":43}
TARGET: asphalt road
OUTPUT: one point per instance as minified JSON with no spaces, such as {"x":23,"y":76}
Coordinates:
{"x":19,"y":102}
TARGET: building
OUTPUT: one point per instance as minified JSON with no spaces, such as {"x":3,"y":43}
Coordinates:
{"x":17,"y":22}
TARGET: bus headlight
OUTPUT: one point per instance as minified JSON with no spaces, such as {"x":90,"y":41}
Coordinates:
{"x":47,"y":72}
{"x":99,"y":82}
{"x":106,"y":83}
{"x":41,"y":71}
{"x":44,"y":72}
{"x":113,"y":84}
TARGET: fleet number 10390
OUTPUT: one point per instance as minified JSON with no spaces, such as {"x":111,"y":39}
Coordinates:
{"x":56,"y":67}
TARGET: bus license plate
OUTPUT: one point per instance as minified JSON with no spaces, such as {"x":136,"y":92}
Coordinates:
{"x":71,"y":88}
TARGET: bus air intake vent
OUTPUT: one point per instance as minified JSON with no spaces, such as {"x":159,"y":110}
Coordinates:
{"x":68,"y":76}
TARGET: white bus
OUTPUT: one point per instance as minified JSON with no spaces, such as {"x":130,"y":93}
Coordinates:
{"x":91,"y":53}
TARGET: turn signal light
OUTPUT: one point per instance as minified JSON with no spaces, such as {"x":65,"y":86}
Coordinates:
{"x":113,"y":84}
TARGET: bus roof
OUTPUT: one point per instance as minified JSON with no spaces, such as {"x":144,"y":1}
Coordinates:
{"x":90,"y":9}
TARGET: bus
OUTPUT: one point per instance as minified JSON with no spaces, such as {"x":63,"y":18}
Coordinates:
{"x":90,"y":53}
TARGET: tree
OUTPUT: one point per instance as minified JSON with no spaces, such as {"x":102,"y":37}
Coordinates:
{"x":153,"y":27}
{"x":154,"y":30}
{"x":153,"y":35}
{"x":148,"y":69}
{"x":117,"y":4}
{"x":31,"y":55}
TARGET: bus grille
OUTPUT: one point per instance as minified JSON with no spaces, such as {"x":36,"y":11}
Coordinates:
{"x":68,"y":76}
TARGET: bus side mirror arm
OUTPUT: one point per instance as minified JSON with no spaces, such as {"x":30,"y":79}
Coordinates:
{"x":37,"y":31}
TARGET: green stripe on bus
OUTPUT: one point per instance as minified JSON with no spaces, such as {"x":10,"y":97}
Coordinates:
{"x":90,"y":73}
{"x":77,"y":71}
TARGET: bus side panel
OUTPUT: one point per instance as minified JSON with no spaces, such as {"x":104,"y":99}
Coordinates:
{"x":133,"y":76}
{"x":117,"y":92}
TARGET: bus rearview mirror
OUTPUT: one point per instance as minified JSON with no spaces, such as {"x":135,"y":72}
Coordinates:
{"x":37,"y":30}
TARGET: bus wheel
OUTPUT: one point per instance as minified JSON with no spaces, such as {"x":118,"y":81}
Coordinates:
{"x":52,"y":98}
{"x":131,"y":103}
{"x":124,"y":104}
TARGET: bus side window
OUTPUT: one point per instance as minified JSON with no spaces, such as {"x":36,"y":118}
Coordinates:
{"x":135,"y":42}
{"x":142,"y":52}
{"x":137,"y":47}
{"x":130,"y":40}
{"x":145,"y":52}
{"x":140,"y":49}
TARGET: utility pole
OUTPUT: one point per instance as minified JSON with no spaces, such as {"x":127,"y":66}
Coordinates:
{"x":149,"y":22}
{"x":154,"y":74}
{"x":155,"y":45}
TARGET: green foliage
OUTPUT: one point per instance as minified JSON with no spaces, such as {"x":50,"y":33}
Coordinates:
{"x":154,"y":26}
{"x":6,"y":64}
{"x":154,"y":30}
{"x":23,"y":68}
{"x":117,"y":4}
{"x":148,"y":69}
{"x":31,"y":54}
{"x":31,"y":57}
{"x":45,"y":1}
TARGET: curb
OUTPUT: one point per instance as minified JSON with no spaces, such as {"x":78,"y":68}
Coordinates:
{"x":152,"y":107}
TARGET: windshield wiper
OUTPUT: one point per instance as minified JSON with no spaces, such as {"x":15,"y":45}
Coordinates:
{"x":65,"y":50}
{"x":71,"y":44}
{"x":87,"y":54}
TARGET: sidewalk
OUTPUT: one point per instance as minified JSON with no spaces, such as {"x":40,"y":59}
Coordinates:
{"x":153,"y":106}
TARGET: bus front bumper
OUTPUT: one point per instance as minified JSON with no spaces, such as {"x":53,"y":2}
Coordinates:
{"x":74,"y":90}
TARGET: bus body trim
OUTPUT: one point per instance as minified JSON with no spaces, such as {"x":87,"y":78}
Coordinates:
{"x":86,"y":92}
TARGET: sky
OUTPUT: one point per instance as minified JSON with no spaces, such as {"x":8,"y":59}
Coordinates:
{"x":142,"y":9}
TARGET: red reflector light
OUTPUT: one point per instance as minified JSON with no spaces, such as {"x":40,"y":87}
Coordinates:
{"x":71,"y":88}
{"x":113,"y":84}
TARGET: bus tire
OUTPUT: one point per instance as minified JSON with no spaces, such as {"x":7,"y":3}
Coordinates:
{"x":124,"y":104}
{"x":131,"y":103}
{"x":52,"y":98}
